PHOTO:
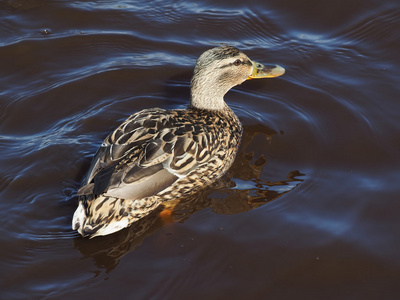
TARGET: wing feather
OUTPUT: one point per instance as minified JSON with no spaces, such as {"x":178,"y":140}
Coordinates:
{"x":150,"y":151}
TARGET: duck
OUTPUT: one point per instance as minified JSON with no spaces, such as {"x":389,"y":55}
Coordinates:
{"x":159,"y":155}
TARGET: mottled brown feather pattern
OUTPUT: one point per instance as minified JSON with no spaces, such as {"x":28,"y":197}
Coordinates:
{"x":192,"y":147}
{"x":158,"y":155}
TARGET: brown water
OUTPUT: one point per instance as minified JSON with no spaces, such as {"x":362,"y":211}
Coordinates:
{"x":310,"y":209}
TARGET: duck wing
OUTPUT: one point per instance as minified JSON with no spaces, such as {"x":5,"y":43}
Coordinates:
{"x":147,"y":153}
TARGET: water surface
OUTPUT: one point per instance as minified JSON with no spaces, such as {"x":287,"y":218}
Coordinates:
{"x":310,"y":208}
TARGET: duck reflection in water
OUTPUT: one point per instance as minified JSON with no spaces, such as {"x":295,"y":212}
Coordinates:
{"x":223,"y":197}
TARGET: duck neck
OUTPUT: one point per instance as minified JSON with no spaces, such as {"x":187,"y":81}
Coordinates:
{"x":205,"y":94}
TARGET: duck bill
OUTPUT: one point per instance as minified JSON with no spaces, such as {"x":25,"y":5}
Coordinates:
{"x":265,"y":71}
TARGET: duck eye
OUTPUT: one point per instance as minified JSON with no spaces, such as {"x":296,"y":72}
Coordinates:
{"x":237,"y":62}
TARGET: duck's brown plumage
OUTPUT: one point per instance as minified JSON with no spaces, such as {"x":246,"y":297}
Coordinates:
{"x":158,"y":155}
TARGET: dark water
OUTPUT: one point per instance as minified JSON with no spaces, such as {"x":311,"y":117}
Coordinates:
{"x":310,"y":209}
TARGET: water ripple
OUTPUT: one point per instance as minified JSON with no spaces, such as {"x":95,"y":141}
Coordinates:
{"x":73,"y":70}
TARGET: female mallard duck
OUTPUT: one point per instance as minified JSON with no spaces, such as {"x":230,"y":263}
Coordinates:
{"x":158,"y":155}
